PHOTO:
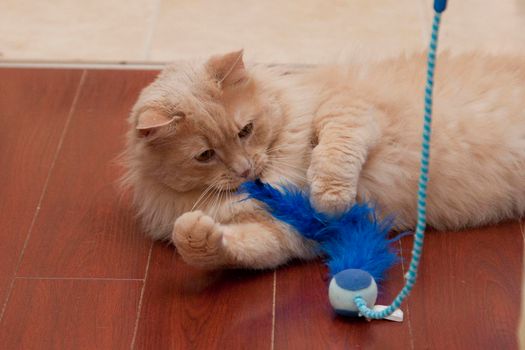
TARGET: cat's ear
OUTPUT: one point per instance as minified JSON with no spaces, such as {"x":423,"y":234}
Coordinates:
{"x":151,"y":120}
{"x":228,"y":69}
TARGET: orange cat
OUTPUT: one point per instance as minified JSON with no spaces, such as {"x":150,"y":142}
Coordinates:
{"x":347,"y":132}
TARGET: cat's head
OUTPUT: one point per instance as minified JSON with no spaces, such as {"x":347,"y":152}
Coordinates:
{"x":205,"y":124}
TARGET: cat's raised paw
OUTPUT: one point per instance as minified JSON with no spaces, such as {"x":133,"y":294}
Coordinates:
{"x":198,"y":239}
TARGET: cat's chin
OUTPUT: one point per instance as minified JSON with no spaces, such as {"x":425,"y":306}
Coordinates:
{"x":232,"y":188}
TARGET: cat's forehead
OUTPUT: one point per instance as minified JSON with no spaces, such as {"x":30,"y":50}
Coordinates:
{"x":204,"y":102}
{"x":211,"y":113}
{"x":212,"y":125}
{"x":193,"y":82}
{"x":217,"y":123}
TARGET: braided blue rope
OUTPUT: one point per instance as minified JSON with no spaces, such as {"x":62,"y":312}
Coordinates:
{"x":419,"y":237}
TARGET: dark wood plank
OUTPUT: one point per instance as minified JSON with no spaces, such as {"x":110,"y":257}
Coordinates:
{"x":70,"y":314}
{"x":34,"y":106}
{"x":468,"y":292}
{"x":304,"y":318}
{"x":184,"y":308}
{"x":84,"y":228}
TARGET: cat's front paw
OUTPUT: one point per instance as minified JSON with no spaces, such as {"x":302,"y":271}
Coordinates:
{"x":331,"y":199}
{"x":198,"y":239}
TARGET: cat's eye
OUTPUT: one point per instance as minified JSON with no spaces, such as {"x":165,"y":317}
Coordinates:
{"x":205,"y":156}
{"x":246,"y":131}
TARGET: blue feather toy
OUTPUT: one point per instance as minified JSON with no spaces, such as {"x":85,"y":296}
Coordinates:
{"x":356,"y":244}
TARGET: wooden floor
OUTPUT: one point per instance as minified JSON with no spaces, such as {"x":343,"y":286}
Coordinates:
{"x":76,"y":272}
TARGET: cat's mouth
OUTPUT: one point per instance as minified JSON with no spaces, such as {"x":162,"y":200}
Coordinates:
{"x":230,"y":189}
{"x":234,"y":187}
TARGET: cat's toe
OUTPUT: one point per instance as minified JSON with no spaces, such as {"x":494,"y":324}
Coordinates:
{"x":332,"y":202}
{"x":198,"y":239}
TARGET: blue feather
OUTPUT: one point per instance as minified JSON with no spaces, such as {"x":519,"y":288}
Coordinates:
{"x":356,"y":239}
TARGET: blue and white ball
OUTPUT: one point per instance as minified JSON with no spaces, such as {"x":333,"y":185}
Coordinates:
{"x":348,"y":284}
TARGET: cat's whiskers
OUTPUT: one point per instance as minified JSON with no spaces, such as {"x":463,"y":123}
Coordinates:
{"x":276,"y":148}
{"x":280,"y":157}
{"x":289,"y":175}
{"x":204,"y":193}
{"x":277,"y":163}
{"x":221,"y":202}
{"x":201,"y":198}
{"x":228,"y":197}
{"x":213,"y":201}
{"x":287,"y":166}
{"x":230,"y":204}
{"x":271,"y":150}
{"x":217,"y":203}
{"x":209,"y":199}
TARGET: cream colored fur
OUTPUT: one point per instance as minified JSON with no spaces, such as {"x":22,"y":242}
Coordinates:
{"x":345,"y":131}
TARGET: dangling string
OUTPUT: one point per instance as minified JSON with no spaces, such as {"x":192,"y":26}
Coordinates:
{"x":417,"y":250}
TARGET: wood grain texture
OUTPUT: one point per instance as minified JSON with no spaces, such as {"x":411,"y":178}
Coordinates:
{"x":85,"y":236}
{"x":85,"y":228}
{"x":70,"y":314}
{"x":184,"y":308}
{"x":34,"y":107}
{"x":468,"y":292}
{"x":304,"y":318}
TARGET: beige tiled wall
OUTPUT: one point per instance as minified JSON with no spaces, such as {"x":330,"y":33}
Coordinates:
{"x":67,"y":30}
{"x":305,"y":31}
{"x":484,"y":24}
